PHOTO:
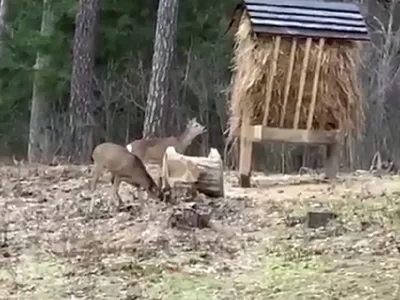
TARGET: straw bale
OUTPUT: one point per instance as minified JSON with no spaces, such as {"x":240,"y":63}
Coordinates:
{"x":338,"y":96}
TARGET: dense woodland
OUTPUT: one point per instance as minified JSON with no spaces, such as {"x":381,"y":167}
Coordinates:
{"x":77,"y":73}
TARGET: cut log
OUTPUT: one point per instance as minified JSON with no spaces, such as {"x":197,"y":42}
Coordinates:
{"x":204,"y":173}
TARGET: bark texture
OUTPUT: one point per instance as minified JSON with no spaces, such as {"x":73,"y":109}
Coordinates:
{"x":82,"y":83}
{"x":4,"y":22}
{"x":4,"y":10}
{"x":160,"y":83}
{"x":39,"y":146}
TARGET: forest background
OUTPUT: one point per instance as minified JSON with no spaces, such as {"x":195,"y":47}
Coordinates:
{"x":77,"y":73}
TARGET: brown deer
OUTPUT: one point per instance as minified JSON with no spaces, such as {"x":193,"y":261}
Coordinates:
{"x":124,"y":166}
{"x":152,"y":150}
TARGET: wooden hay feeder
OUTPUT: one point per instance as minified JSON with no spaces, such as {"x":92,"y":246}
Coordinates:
{"x":295,"y":77}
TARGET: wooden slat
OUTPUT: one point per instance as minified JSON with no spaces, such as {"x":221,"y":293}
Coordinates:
{"x":302,"y":83}
{"x":303,"y":33}
{"x":271,"y":77}
{"x":288,"y":81}
{"x":311,"y":17}
{"x":315,"y":5}
{"x":313,"y":25}
{"x":262,"y":133}
{"x":315,"y":84}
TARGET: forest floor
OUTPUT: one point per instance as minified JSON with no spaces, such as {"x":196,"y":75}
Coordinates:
{"x":258,"y":248}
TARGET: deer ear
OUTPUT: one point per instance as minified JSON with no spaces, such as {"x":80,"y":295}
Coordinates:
{"x":194,"y":120}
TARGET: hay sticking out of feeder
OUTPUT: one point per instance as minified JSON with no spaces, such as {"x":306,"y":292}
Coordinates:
{"x":338,"y":97}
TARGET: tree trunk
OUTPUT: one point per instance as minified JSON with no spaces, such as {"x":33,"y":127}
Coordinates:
{"x":4,"y":13}
{"x":82,"y":96}
{"x":4,"y":10}
{"x":39,"y":145}
{"x":160,"y":83}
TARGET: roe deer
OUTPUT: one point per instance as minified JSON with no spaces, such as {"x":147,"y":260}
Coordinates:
{"x":124,"y":166}
{"x":153,"y":149}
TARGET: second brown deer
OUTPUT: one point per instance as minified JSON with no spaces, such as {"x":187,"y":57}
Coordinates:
{"x":123,"y":166}
{"x":152,"y":150}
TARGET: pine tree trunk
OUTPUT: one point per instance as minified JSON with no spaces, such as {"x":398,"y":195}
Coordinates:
{"x":39,"y":146}
{"x":81,"y":121}
{"x":4,"y":13}
{"x":4,"y":10}
{"x":160,"y":83}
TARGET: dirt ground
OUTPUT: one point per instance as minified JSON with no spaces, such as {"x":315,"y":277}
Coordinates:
{"x":259,"y":246}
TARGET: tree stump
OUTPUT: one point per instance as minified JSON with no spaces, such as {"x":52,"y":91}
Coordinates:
{"x":190,"y":216}
{"x":205,"y":174}
{"x":316,"y":219}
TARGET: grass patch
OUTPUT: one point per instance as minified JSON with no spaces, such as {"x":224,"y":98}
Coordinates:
{"x":275,"y":278}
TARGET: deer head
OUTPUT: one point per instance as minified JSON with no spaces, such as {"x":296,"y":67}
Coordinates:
{"x":194,"y":128}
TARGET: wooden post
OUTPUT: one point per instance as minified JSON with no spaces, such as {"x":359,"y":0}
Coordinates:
{"x":246,"y":149}
{"x":271,"y":76}
{"x":303,"y":75}
{"x":332,"y":160}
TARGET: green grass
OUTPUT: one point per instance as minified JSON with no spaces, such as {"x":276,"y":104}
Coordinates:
{"x":270,"y":276}
{"x":358,"y":257}
{"x":278,"y":279}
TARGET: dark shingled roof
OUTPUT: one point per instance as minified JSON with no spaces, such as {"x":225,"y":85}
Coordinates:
{"x":310,"y":18}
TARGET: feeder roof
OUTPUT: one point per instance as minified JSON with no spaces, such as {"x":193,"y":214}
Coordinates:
{"x":308,"y":18}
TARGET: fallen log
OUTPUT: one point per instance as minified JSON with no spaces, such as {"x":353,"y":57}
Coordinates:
{"x":205,"y":174}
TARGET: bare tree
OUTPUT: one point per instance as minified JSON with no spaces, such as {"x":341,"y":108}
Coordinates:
{"x":39,"y":145}
{"x":381,"y":74}
{"x":82,"y":81}
{"x":158,"y":98}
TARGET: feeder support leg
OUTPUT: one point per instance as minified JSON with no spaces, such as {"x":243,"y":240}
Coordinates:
{"x":246,"y":149}
{"x":332,"y":161}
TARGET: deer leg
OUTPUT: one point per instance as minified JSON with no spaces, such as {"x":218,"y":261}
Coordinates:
{"x":116,"y":196}
{"x":96,"y":175}
{"x":91,"y":207}
{"x":140,"y":195}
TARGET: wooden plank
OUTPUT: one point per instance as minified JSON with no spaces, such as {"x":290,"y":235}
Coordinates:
{"x":315,"y":83}
{"x":305,"y":12}
{"x":270,"y":79}
{"x":335,"y":6}
{"x":262,"y":133}
{"x":288,"y":81}
{"x":303,"y":75}
{"x":262,"y":30}
{"x":312,"y":17}
{"x":246,"y":150}
{"x":309,"y":25}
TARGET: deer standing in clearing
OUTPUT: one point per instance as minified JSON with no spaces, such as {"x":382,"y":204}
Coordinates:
{"x":152,"y":150}
{"x":124,"y":166}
